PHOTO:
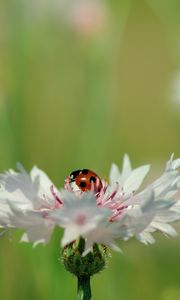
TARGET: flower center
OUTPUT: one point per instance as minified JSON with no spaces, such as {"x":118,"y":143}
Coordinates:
{"x":81,"y":219}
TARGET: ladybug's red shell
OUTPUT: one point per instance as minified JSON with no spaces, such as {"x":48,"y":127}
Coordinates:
{"x":86,"y":180}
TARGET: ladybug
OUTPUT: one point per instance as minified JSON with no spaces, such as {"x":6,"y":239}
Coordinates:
{"x":85,"y":180}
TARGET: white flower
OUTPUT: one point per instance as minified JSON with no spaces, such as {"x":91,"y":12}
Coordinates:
{"x":79,"y":215}
{"x":83,"y":16}
{"x":116,"y":212}
{"x":24,"y":202}
{"x":88,"y":16}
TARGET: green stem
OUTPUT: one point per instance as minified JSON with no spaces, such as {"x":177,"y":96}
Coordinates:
{"x":84,"y":288}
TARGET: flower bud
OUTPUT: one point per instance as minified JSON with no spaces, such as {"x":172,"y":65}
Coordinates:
{"x":84,"y":265}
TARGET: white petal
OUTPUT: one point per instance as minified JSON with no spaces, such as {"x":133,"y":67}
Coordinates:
{"x":166,"y":186}
{"x":130,"y":180}
{"x":43,"y":180}
{"x":126,"y":168}
{"x":18,"y":188}
{"x":135,"y":179}
{"x":172,"y":164}
{"x":176,"y":164}
{"x":70,"y":234}
{"x":114,"y":247}
{"x":164,"y":227}
{"x":4,"y":213}
{"x":38,"y":229}
{"x":73,"y":232}
{"x":114,"y":175}
{"x":146,"y":238}
{"x":23,"y":192}
{"x":24,"y":238}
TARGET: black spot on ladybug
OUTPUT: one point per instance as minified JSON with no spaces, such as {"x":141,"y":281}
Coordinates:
{"x":82,"y":184}
{"x":74,"y":174}
{"x":92,"y":179}
{"x":85,"y":171}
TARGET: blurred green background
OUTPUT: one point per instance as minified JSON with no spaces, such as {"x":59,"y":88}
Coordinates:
{"x":82,"y":82}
